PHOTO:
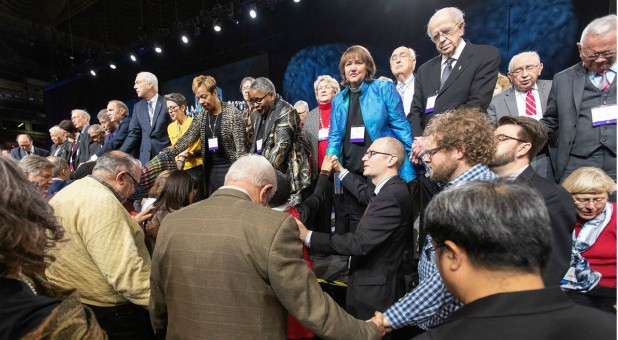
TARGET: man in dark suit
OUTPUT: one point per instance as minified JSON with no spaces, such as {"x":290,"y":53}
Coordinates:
{"x":527,"y":97}
{"x":582,"y":104}
{"x":518,"y":139}
{"x":61,"y":147}
{"x":81,"y":151}
{"x":149,"y":121}
{"x":376,"y":246}
{"x":463,"y":73}
{"x":97,"y":134}
{"x":494,"y":268}
{"x":242,"y":268}
{"x":117,"y":126}
{"x":26,"y":148}
{"x":61,"y":175}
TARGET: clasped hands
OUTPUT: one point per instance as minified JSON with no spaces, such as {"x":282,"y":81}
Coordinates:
{"x":383,"y":325}
{"x":331,"y":163}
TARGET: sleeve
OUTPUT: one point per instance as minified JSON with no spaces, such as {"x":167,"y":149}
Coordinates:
{"x":239,"y":135}
{"x":550,"y":116}
{"x":418,"y":107}
{"x":284,"y":135}
{"x":335,"y":134}
{"x":134,"y":136}
{"x":397,"y":121}
{"x":157,"y":307}
{"x":491,"y":111}
{"x":358,"y":187}
{"x":297,"y":288}
{"x":309,"y":209}
{"x":484,"y":81}
{"x":191,"y":136}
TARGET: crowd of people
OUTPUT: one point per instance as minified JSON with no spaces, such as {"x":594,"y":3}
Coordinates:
{"x":158,"y":224}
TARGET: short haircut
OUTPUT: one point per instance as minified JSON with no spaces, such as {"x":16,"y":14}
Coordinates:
{"x":535,"y":55}
{"x":301,"y":104}
{"x":96,"y":128}
{"x":395,"y":147}
{"x":33,"y":164}
{"x":502,"y":226}
{"x":207,"y":81}
{"x":56,"y":130}
{"x":102,"y":115}
{"x":365,"y":57}
{"x":454,"y":13}
{"x":253,"y":169}
{"x":149,"y":78}
{"x":466,"y":129}
{"x":329,"y":80}
{"x":284,"y":189}
{"x":589,"y":180}
{"x":244,"y":80}
{"x":531,"y":131}
{"x":24,"y":134}
{"x":120,"y":105}
{"x":67,"y":126}
{"x":59,"y":165}
{"x":177,"y":98}
{"x":263,"y":85}
{"x":115,"y":162}
{"x":82,"y":112}
{"x":600,"y":25}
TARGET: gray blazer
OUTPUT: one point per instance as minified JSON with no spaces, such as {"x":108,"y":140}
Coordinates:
{"x":505,"y":103}
{"x":310,"y":130}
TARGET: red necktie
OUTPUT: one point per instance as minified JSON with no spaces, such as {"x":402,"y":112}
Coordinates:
{"x":530,"y":104}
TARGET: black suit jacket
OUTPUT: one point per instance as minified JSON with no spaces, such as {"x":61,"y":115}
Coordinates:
{"x":471,"y":83}
{"x":562,"y":219}
{"x":376,"y":278}
{"x":61,"y":150}
{"x":120,"y":134}
{"x":150,"y":139}
{"x":83,"y":145}
{"x":17,"y":153}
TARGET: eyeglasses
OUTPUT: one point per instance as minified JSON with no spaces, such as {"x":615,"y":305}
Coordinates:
{"x":520,"y":70}
{"x":246,"y":88}
{"x":370,"y":153}
{"x":428,"y":154}
{"x":172,"y":108}
{"x":445,"y":32}
{"x":254,"y":101}
{"x":585,"y":201}
{"x":597,"y":55}
{"x":135,"y":182}
{"x":502,"y":138}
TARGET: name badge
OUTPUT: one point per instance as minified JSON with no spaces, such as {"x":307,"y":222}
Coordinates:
{"x":213,"y":144}
{"x":604,"y":115}
{"x":357,"y":135}
{"x":323,"y":134}
{"x":431,"y":102}
{"x":258,"y":146}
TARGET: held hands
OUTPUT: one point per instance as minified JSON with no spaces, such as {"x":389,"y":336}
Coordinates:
{"x":302,"y":229}
{"x":144,"y":215}
{"x":331,"y":163}
{"x":381,"y":323}
{"x":418,"y":147}
{"x":151,"y":227}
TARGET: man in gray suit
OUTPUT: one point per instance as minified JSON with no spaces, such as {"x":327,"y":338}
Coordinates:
{"x":527,"y":97}
{"x":582,"y":104}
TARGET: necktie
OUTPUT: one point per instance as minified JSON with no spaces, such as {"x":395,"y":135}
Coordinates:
{"x":400,"y":88}
{"x":150,"y":111}
{"x":530,"y":104}
{"x":447,"y":70}
{"x":603,"y":83}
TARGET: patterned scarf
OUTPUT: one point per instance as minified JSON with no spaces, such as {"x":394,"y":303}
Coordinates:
{"x":580,"y":277}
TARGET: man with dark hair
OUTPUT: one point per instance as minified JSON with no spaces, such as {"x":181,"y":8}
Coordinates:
{"x":117,"y":127}
{"x":97,"y":134}
{"x":26,"y":148}
{"x":518,"y":140}
{"x":60,"y":175}
{"x":492,"y":240}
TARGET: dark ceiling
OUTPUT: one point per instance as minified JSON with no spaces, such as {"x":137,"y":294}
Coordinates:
{"x":52,"y":38}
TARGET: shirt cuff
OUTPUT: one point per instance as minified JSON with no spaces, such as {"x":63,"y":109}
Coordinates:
{"x":343,"y":173}
{"x":308,"y":239}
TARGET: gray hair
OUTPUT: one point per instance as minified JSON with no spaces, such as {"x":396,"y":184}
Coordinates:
{"x":329,"y":80}
{"x":33,"y":164}
{"x":102,"y":115}
{"x":96,"y":128}
{"x":253,"y":169}
{"x":501,"y":225}
{"x":115,"y":162}
{"x":455,"y":13}
{"x":600,"y":26}
{"x":84,"y":113}
{"x":300,"y":104}
{"x":537,"y":59}
{"x":56,"y":130}
{"x":149,"y":78}
{"x":263,"y":85}
{"x":59,"y":165}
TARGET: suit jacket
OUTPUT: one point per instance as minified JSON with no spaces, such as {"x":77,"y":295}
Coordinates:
{"x":120,"y":134}
{"x":83,"y":146}
{"x":471,"y":84}
{"x":150,"y":139}
{"x":64,"y":150}
{"x":57,"y":185}
{"x":562,"y":114}
{"x":505,"y":103}
{"x":530,"y":314}
{"x":17,"y":153}
{"x":236,"y":274}
{"x":310,"y":130}
{"x":561,"y":208}
{"x":376,"y":278}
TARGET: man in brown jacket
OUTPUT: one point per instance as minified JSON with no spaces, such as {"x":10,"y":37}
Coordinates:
{"x":230,"y":268}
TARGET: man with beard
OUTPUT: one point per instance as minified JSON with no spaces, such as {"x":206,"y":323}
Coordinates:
{"x":518,"y":140}
{"x":458,"y":144}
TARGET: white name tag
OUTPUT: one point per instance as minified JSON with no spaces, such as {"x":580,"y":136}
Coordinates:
{"x":323,"y":134}
{"x":357,"y":135}
{"x":431,"y":102}
{"x":213,"y":144}
{"x":258,"y":146}
{"x":604,"y":115}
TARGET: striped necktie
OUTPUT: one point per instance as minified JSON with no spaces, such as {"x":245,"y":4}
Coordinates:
{"x":530,"y":104}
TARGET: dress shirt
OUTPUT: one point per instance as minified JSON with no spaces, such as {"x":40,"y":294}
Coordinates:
{"x":406,"y":92}
{"x":430,"y":303}
{"x":152,"y":104}
{"x":520,"y":97}
{"x":611,"y":75}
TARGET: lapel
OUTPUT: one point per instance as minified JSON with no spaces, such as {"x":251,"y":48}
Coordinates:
{"x":526,"y":175}
{"x":579,"y":81}
{"x":434,"y":76}
{"x":270,"y":121}
{"x":157,"y":111}
{"x":459,"y":67}
{"x":511,"y":102}
{"x":544,"y":88}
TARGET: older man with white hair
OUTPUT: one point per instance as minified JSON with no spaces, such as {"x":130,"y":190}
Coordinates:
{"x":403,"y":63}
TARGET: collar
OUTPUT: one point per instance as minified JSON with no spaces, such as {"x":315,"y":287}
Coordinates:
{"x":612,"y":68}
{"x":116,"y":193}
{"x":409,"y":80}
{"x":381,"y":184}
{"x":457,"y":53}
{"x":477,"y":172}
{"x":535,"y":87}
{"x":233,"y":187}
{"x":154,"y":99}
{"x":516,"y":174}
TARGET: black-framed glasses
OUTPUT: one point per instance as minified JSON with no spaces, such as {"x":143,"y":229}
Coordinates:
{"x":370,"y":153}
{"x":597,"y":55}
{"x":502,"y":138}
{"x":254,"y":101}
{"x":428,"y":154}
{"x":172,"y":108}
{"x":135,"y":182}
{"x":520,"y":70}
{"x":444,"y":32}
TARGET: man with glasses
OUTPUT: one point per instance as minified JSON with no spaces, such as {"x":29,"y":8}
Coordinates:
{"x":26,"y":148}
{"x":527,"y":97}
{"x":376,"y":246}
{"x":105,"y":257}
{"x":582,"y":104}
{"x":518,"y":140}
{"x":403,"y":62}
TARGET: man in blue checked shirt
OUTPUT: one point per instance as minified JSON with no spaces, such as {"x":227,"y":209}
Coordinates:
{"x":456,"y":146}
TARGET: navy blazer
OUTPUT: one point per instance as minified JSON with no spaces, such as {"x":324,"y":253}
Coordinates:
{"x":17,"y":153}
{"x":151,"y":140}
{"x":120,"y":134}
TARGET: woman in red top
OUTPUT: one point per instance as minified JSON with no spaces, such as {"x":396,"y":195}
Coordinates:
{"x":591,"y":280}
